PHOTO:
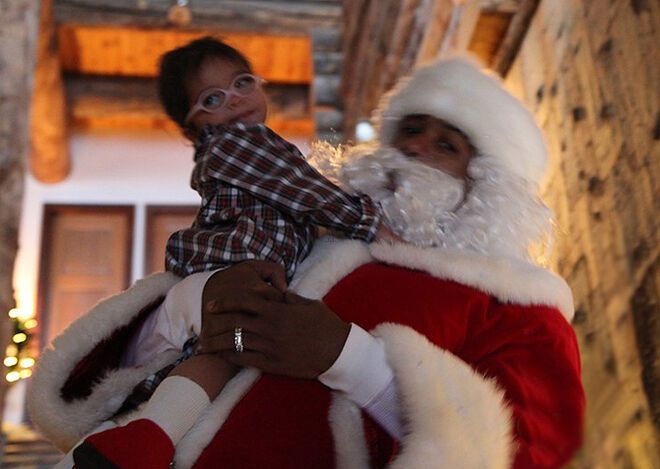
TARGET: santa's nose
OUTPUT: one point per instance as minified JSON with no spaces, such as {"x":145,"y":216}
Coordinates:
{"x":416,"y":148}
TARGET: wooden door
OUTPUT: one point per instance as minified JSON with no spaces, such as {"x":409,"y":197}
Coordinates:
{"x":162,"y":221}
{"x":86,"y":256}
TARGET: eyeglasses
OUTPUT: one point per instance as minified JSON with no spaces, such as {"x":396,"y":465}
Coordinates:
{"x":215,"y":99}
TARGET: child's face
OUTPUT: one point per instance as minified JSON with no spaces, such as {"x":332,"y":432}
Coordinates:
{"x":219,"y":73}
{"x":435,"y":143}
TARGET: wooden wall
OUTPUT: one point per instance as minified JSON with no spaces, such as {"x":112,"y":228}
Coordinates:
{"x":590,"y":69}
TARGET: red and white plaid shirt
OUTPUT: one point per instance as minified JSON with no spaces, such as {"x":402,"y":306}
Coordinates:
{"x":261,"y":200}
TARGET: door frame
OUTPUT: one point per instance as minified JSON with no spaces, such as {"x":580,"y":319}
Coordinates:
{"x":49,"y":213}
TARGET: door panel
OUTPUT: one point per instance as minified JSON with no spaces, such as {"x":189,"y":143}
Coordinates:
{"x":161,"y":223}
{"x":86,"y":256}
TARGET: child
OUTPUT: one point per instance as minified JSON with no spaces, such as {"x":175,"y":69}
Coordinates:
{"x":260,"y":200}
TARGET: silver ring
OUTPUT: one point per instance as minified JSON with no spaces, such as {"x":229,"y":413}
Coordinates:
{"x":238,"y":339}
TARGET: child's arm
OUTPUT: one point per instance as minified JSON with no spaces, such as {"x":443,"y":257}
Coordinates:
{"x":260,"y":162}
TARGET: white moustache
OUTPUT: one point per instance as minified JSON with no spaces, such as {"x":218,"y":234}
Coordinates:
{"x":415,"y":197}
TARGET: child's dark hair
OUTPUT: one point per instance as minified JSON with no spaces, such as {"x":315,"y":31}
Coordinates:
{"x":177,"y":65}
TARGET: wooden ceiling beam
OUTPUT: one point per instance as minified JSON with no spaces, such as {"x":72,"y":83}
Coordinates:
{"x":273,"y":17}
{"x":502,"y":6}
{"x":100,"y":50}
{"x":384,"y":40}
{"x":106,"y":103}
{"x":510,"y":44}
{"x":49,"y":156}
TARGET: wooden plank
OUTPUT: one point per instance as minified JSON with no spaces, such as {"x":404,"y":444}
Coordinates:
{"x":435,"y":31}
{"x":49,"y":156}
{"x":289,"y":18}
{"x":515,"y":34}
{"x":109,"y":103}
{"x":101,"y":50}
{"x":489,"y":32}
{"x":503,"y":6}
{"x":461,"y":27}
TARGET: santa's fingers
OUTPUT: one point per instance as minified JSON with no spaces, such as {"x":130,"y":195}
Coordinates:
{"x":237,"y":341}
{"x":222,"y":323}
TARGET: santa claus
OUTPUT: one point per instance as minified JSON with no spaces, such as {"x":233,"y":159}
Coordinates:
{"x":447,"y":348}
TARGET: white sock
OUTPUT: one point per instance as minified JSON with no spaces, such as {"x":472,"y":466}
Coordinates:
{"x":176,"y":405}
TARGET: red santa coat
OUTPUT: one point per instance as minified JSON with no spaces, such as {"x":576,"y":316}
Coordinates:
{"x":485,"y":361}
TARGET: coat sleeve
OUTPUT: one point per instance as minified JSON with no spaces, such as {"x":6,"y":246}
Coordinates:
{"x":513,"y":398}
{"x":535,"y":360}
{"x":79,"y":381}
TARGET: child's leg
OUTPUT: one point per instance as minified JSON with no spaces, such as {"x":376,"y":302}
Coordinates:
{"x":171,"y":411}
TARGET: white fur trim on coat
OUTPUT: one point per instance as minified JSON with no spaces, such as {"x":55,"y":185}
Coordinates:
{"x":457,"y":91}
{"x":507,"y":279}
{"x":454,"y":416}
{"x":64,"y":423}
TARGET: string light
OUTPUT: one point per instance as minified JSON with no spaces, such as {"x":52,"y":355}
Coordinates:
{"x":19,"y":338}
{"x":10,"y":361}
{"x":18,"y":362}
{"x":31,"y":323}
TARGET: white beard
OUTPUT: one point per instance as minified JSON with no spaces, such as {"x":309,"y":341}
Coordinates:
{"x":415,"y":197}
{"x":499,"y":213}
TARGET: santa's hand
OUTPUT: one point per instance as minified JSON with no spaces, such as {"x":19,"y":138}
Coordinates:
{"x":300,"y":338}
{"x":249,"y":279}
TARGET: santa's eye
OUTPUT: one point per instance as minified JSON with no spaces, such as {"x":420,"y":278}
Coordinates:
{"x":410,"y":130}
{"x":447,"y":146}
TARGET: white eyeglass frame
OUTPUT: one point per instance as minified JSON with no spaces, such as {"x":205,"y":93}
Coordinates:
{"x":228,"y":93}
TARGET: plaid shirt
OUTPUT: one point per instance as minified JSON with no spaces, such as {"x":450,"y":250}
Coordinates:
{"x":261,"y":200}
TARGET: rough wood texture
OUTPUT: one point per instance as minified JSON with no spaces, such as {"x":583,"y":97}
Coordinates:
{"x":18,"y":35}
{"x":589,"y":69}
{"x":103,"y":103}
{"x":102,"y":50}
{"x":382,"y":41}
{"x":49,"y":156}
{"x":515,"y":34}
{"x":289,"y":17}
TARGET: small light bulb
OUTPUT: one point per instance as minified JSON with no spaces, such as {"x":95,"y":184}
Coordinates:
{"x":30,"y":323}
{"x":10,"y":361}
{"x":25,"y":373}
{"x":14,"y":313}
{"x":20,"y":337}
{"x":26,"y":362}
{"x":13,"y":376}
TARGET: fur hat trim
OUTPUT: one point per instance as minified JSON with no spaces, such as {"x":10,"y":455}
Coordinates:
{"x":457,"y":91}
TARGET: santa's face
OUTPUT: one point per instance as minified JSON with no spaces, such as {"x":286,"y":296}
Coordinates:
{"x":435,"y":143}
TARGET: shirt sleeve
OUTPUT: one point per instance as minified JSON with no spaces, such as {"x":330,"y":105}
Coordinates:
{"x":172,"y":323}
{"x":362,"y":373}
{"x":260,"y":162}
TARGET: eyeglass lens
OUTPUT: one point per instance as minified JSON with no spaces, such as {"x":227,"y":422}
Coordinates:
{"x":242,"y":85}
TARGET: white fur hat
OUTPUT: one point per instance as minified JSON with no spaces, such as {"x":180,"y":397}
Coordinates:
{"x":457,"y":91}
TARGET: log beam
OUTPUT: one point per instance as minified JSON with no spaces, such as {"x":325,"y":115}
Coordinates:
{"x":510,"y":44}
{"x":103,"y":50}
{"x":108,"y":103}
{"x":384,"y":40}
{"x":49,"y":156}
{"x":272,"y":17}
